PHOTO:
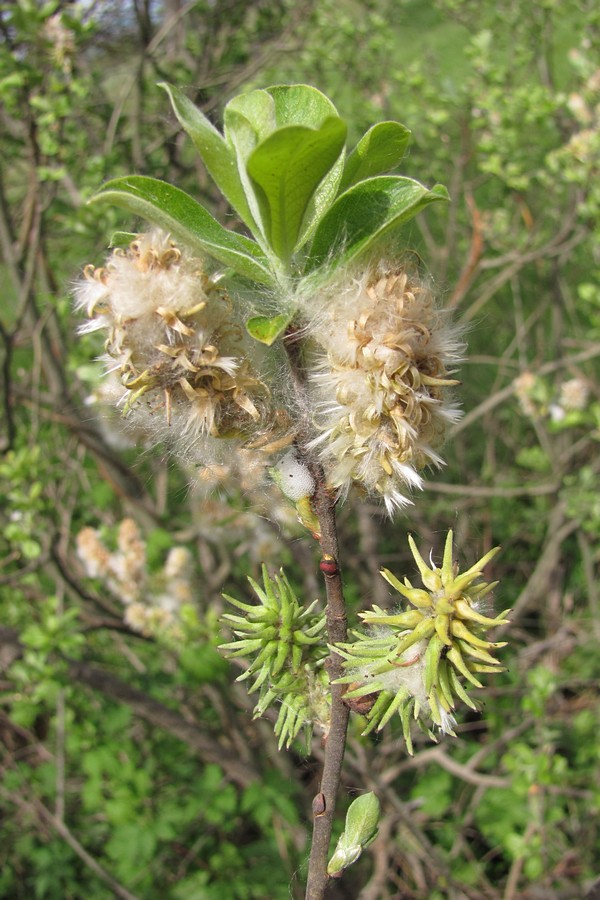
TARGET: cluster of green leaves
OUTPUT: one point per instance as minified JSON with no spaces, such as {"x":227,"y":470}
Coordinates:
{"x":533,"y":820}
{"x":281,"y":164}
{"x":22,"y":495}
{"x":40,"y":674}
{"x":161,"y":835}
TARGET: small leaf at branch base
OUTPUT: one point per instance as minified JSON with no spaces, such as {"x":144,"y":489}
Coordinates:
{"x":121,"y":238}
{"x":265,"y":329}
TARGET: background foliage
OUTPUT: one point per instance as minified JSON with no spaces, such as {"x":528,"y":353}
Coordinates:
{"x":130,"y":764}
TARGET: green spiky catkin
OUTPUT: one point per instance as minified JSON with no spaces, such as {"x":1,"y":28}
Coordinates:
{"x":284,"y":643}
{"x":413,"y":660}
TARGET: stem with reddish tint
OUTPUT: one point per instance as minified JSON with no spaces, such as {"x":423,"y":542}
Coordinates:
{"x":323,"y":503}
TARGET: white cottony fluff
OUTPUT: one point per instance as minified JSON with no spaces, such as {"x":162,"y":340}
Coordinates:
{"x":182,"y":358}
{"x":380,"y":380}
{"x":294,"y":478}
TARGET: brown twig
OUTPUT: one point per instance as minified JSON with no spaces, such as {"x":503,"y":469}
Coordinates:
{"x":500,"y":396}
{"x":336,"y":739}
{"x":324,"y":507}
{"x":470,"y":267}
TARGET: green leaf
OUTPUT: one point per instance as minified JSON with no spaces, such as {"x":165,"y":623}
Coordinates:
{"x":378,"y":151}
{"x":217,"y":155}
{"x":178,"y":213}
{"x":301,"y":104}
{"x":278,"y":106}
{"x":257,"y":109}
{"x":286,"y":169}
{"x":364,"y":214}
{"x":362,"y":819}
{"x":265,"y":329}
{"x":122,"y":238}
{"x":251,"y":118}
{"x":248,"y":119}
{"x":243,"y":138}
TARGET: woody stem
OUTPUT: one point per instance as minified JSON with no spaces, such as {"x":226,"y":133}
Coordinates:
{"x":323,"y":504}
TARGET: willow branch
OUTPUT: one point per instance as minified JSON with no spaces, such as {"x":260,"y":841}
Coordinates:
{"x":323,"y":503}
{"x":324,"y":809}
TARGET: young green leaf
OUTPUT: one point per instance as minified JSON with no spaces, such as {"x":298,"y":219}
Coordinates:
{"x":362,"y":818}
{"x":252,"y":118}
{"x":360,"y":830}
{"x":378,"y":151}
{"x":121,"y":238}
{"x":364,"y":214}
{"x":243,"y":137}
{"x":176,"y":212}
{"x":286,"y":169}
{"x":257,"y":108}
{"x":217,"y":155}
{"x":300,"y":104}
{"x":275,"y":107}
{"x":267,"y":329}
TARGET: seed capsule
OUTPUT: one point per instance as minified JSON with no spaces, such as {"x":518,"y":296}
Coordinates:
{"x":361,"y":705}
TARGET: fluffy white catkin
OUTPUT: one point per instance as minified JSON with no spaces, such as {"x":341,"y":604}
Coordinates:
{"x":380,"y":381}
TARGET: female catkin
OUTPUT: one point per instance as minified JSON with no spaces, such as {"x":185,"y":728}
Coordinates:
{"x":380,"y":381}
{"x":183,"y":360}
